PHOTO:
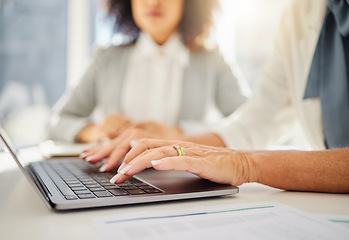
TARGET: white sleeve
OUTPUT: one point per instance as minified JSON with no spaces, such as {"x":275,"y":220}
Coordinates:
{"x":267,"y":117}
{"x":72,"y":112}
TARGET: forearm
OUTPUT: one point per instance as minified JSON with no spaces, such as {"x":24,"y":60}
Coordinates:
{"x":210,"y":139}
{"x":319,"y":171}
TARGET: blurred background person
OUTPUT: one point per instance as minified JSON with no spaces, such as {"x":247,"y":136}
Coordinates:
{"x":162,"y":80}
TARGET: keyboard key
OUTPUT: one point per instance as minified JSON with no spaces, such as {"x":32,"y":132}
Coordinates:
{"x":142,"y":185}
{"x":112,"y":187}
{"x":109,"y":175}
{"x":72,"y":182}
{"x":146,"y":187}
{"x":136,"y":191}
{"x":130,"y":187}
{"x":78,"y":188}
{"x":118,"y":192}
{"x":90,"y":181}
{"x":84,"y":196}
{"x":84,"y":178}
{"x":127,"y":183}
{"x":100,"y":178}
{"x":135,"y":181}
{"x":103,"y":194}
{"x":68,"y":178}
{"x":75,"y":185}
{"x":152,"y":190}
{"x":104,"y":181}
{"x":97,"y":189}
{"x":92,"y":185}
{"x":108,"y":184}
{"x":71,"y":197}
{"x":80,"y":192}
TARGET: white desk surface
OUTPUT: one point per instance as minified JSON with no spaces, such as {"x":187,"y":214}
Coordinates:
{"x":24,"y":215}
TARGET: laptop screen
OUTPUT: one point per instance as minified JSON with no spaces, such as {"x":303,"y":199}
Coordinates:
{"x":6,"y":145}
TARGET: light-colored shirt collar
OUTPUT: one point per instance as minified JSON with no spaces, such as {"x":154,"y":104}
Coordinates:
{"x":173,"y":48}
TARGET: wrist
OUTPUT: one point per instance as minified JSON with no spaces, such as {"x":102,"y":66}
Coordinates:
{"x":90,"y":133}
{"x":83,"y":134}
{"x":252,"y":167}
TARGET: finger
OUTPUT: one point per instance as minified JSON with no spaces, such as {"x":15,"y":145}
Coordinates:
{"x":180,"y":163}
{"x":145,"y":154}
{"x":166,"y":158}
{"x":143,"y":161}
{"x":88,"y":151}
{"x":177,"y":163}
{"x":126,"y":173}
{"x":116,"y":156}
{"x":146,"y":144}
{"x":119,"y":178}
{"x":99,"y":153}
{"x":90,"y":148}
{"x":120,"y":148}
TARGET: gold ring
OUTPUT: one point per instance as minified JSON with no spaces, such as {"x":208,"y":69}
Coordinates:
{"x":180,"y":151}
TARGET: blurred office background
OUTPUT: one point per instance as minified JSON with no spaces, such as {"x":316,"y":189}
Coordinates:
{"x":45,"y":46}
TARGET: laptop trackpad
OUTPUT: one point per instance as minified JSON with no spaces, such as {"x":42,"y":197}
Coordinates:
{"x":179,"y":182}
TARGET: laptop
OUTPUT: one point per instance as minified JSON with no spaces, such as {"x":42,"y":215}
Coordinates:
{"x":71,"y":183}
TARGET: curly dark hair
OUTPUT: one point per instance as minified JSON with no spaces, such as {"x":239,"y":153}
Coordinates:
{"x":194,"y":25}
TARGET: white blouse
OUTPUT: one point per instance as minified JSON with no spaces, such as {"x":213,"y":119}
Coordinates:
{"x":153,"y":80}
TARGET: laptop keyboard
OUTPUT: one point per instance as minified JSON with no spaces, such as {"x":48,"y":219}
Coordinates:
{"x":77,"y":180}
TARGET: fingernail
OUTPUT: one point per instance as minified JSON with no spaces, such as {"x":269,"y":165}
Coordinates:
{"x":83,"y":155}
{"x":125,"y":169}
{"x":156,"y":162}
{"x":121,"y":166}
{"x":133,"y":143}
{"x":102,"y":169}
{"x":90,"y":158}
{"x":115,"y":178}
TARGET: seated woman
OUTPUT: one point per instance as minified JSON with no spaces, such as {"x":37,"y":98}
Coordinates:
{"x":162,"y":81}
